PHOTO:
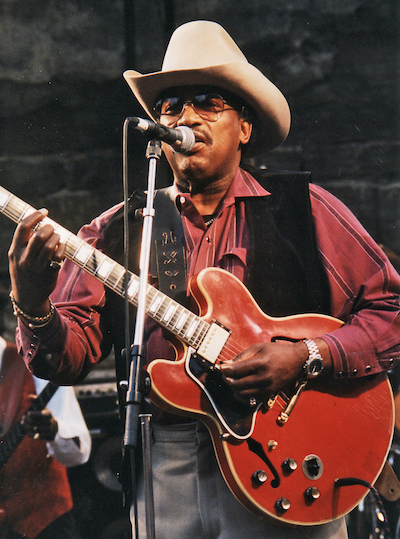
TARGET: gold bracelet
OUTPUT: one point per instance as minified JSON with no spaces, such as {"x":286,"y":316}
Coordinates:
{"x":33,"y":321}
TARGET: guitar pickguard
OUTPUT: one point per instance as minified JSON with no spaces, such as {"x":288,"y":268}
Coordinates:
{"x":237,"y":417}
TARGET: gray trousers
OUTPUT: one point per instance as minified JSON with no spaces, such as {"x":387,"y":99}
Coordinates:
{"x":192,"y":500}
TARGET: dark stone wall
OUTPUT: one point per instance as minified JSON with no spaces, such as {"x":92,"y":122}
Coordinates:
{"x":63,"y":100}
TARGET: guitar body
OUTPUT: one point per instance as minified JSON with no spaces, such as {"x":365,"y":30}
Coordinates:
{"x":337,"y":429}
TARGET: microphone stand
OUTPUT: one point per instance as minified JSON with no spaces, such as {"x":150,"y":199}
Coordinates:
{"x":134,"y":396}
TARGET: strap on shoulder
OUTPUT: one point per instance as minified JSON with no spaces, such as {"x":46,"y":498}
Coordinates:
{"x":169,"y":260}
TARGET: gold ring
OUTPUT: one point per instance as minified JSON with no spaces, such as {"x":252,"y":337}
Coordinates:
{"x":53,"y":264}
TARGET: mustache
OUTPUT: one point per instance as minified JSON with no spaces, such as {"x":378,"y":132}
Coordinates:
{"x":202,"y":136}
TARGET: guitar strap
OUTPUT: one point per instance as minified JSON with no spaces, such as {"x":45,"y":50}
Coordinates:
{"x":167,"y":262}
{"x":168,"y":256}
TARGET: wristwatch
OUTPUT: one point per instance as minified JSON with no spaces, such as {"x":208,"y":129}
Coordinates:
{"x":314,"y":364}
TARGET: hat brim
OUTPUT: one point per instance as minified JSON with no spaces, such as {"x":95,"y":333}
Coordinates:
{"x":238,"y":77}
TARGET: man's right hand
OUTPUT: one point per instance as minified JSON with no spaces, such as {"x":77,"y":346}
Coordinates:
{"x":30,"y":254}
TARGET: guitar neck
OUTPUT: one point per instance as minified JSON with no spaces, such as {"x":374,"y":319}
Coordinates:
{"x":181,"y":322}
{"x":12,"y":440}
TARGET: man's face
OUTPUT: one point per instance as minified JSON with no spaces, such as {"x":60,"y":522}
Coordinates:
{"x":219,"y":136}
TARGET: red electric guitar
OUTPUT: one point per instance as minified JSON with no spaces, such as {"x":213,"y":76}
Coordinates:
{"x":298,"y":459}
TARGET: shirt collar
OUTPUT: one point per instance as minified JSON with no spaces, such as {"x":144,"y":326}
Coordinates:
{"x":244,"y":185}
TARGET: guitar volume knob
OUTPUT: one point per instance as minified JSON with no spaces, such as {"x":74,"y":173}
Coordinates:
{"x":289,"y":465}
{"x":311,"y":494}
{"x":259,"y":477}
{"x":282,"y":505}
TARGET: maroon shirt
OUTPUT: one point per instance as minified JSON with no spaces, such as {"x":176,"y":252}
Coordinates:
{"x":364,"y":287}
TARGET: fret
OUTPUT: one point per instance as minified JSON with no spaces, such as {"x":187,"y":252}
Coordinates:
{"x":163,"y":311}
{"x":132,"y":281}
{"x":104,"y":268}
{"x":155,"y":304}
{"x":82,"y":253}
{"x":92,"y":263}
{"x":10,"y":203}
{"x":70,"y":249}
{"x":61,"y":231}
{"x":5,"y":196}
{"x":158,"y":314}
{"x":195,"y":338}
{"x":201,"y":330}
{"x":133,"y":287}
{"x":114,"y":280}
{"x":191,"y":329}
{"x":25,"y":212}
{"x":181,"y":320}
{"x":183,"y":331}
{"x":169,"y":312}
{"x":17,"y":206}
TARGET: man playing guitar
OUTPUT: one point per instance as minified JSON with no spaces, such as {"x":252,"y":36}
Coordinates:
{"x":295,"y":247}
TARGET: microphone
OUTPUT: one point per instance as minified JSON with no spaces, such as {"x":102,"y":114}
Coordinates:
{"x":181,"y":139}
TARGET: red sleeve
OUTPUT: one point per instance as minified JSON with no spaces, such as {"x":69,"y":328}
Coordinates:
{"x":365,"y":290}
{"x":73,"y":342}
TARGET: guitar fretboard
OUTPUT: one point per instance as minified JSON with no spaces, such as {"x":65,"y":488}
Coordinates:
{"x":181,"y":322}
{"x":12,"y":440}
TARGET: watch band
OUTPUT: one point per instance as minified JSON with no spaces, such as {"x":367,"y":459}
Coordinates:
{"x":314,"y":364}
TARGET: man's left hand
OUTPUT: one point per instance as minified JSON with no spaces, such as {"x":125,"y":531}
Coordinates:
{"x":40,"y":425}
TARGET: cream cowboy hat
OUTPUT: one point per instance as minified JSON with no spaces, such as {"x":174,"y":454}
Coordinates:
{"x":203,"y":53}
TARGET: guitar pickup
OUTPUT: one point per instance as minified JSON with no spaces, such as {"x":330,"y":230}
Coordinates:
{"x":213,"y":342}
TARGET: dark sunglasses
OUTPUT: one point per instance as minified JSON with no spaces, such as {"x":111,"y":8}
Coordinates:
{"x":209,"y":106}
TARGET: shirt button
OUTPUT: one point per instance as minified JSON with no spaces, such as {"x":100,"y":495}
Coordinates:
{"x":354,"y":373}
{"x":49,"y":357}
{"x":368,"y":368}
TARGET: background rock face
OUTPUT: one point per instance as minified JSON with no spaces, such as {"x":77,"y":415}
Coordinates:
{"x":63,"y":100}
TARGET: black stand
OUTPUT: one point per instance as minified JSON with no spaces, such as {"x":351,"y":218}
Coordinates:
{"x":134,"y":396}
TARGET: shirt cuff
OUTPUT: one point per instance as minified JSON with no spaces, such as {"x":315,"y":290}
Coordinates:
{"x":65,"y":449}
